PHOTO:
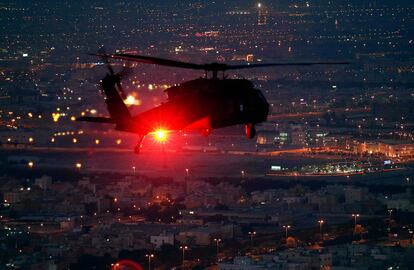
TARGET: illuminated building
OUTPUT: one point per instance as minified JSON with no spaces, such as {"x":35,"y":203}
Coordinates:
{"x":243,"y":57}
{"x":261,"y":14}
{"x":249,"y":58}
{"x":388,"y":148}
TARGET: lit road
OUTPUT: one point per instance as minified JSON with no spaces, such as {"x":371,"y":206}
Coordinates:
{"x":316,"y":114}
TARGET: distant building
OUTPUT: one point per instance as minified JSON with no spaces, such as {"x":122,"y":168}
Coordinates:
{"x":163,"y":238}
{"x":241,"y":263}
{"x":262,"y":14}
{"x":43,"y":182}
{"x":354,"y":195}
{"x":12,"y":197}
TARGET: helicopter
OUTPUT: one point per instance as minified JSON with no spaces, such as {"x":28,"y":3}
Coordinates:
{"x":200,"y":105}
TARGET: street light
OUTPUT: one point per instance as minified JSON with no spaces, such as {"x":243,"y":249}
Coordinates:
{"x":389,"y":219}
{"x":286,"y":227}
{"x":252,"y":233}
{"x":78,"y":165}
{"x":217,"y":240}
{"x":390,"y":212}
{"x":187,"y":172}
{"x":355,"y":216}
{"x":184,"y":248}
{"x":149,"y":256}
{"x":320,"y":226}
{"x":134,"y":169}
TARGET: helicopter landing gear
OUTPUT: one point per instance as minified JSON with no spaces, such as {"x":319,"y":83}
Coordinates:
{"x":139,"y":144}
{"x":250,"y":131}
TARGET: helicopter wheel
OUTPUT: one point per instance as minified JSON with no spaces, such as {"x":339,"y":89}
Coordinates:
{"x":250,"y":131}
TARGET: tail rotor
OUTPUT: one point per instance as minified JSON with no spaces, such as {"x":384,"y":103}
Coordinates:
{"x":117,"y":76}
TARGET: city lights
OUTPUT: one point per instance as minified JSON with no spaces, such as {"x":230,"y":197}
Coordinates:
{"x":306,"y":108}
{"x":55,"y":117}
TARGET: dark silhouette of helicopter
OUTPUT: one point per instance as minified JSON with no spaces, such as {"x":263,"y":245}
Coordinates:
{"x":200,"y":105}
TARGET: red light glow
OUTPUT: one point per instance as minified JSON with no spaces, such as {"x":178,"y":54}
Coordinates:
{"x":126,"y":264}
{"x":160,"y":135}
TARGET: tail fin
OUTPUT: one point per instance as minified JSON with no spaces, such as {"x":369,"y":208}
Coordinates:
{"x":116,"y":107}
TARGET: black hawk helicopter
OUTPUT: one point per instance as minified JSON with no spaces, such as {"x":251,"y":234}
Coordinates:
{"x":199,"y":105}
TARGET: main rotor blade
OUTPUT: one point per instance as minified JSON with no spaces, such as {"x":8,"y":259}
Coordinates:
{"x":229,"y":67}
{"x":207,"y":67}
{"x":156,"y":61}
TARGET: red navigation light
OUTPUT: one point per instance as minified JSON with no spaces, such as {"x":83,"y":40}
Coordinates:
{"x":160,"y":135}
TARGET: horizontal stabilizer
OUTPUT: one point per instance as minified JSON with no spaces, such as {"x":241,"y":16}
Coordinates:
{"x":104,"y":120}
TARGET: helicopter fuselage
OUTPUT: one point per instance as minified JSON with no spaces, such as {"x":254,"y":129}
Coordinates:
{"x":204,"y":105}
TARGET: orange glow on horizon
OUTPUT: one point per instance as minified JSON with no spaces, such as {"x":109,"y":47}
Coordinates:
{"x":132,"y":100}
